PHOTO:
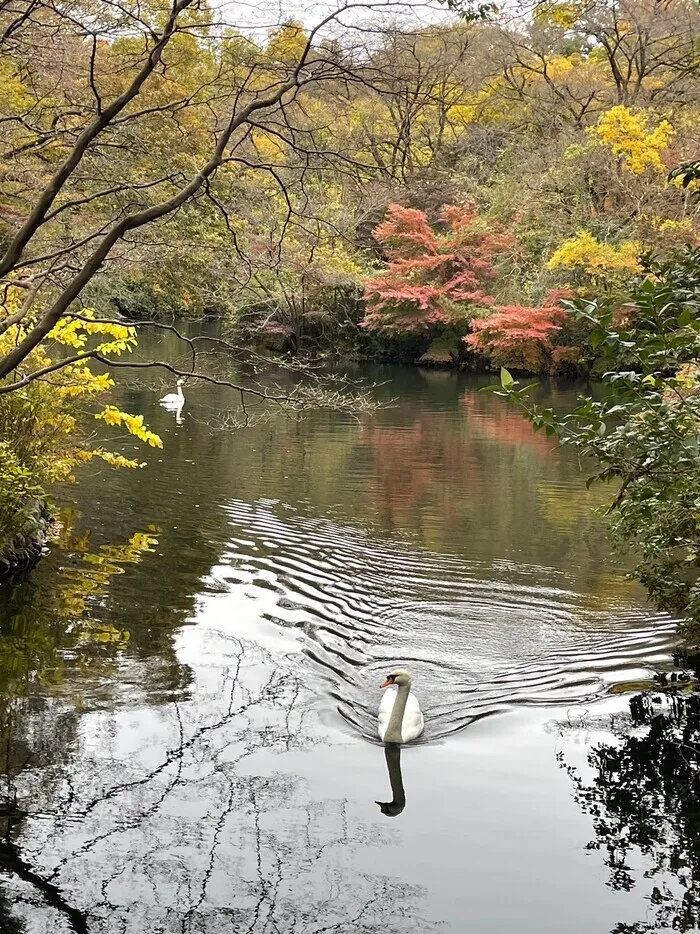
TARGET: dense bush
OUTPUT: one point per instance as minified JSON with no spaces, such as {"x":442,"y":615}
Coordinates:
{"x":644,"y":430}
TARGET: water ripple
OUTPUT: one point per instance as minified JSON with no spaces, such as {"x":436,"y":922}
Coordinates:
{"x":477,"y":638}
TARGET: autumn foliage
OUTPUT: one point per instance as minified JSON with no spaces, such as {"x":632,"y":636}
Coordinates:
{"x":519,"y":336}
{"x":432,"y":279}
{"x":436,"y":281}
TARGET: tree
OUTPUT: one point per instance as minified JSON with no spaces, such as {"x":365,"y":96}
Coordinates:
{"x":116,"y":125}
{"x":520,"y":336}
{"x":42,"y":438}
{"x":589,"y":261}
{"x":143,"y":134}
{"x":291,"y":288}
{"x":583,"y":97}
{"x":579,"y":58}
{"x":432,"y":278}
{"x":408,"y":114}
{"x":435,"y":286}
{"x":524,"y":120}
{"x":652,"y":58}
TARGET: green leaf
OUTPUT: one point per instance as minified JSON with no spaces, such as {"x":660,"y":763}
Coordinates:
{"x":506,"y":379}
{"x":684,"y":318}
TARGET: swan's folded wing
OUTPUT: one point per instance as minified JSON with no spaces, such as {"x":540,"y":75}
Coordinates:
{"x":412,"y":725}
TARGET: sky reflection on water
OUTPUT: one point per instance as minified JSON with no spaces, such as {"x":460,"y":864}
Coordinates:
{"x":189,"y":685}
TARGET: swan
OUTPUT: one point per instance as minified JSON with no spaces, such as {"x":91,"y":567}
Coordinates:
{"x":400,"y":716}
{"x":174,"y":400}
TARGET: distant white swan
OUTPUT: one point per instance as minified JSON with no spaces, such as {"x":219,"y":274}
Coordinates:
{"x":174,"y":400}
{"x":400,"y":716}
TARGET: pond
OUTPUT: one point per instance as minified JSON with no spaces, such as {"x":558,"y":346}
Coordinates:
{"x":190,"y":682}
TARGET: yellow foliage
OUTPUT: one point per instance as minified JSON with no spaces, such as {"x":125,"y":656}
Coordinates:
{"x":43,"y":437}
{"x":484,"y":105}
{"x":109,"y":457}
{"x":683,"y":229}
{"x":558,"y":66}
{"x":85,"y":382}
{"x":287,"y":44}
{"x":268,"y":147}
{"x":14,"y":96}
{"x":559,"y":14}
{"x":584,"y":252}
{"x":134,"y":424}
{"x":686,"y":226}
{"x":74,"y":332}
{"x":628,"y":136}
{"x":693,"y":185}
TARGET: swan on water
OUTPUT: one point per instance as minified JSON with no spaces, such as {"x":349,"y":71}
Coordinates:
{"x":174,"y":400}
{"x":400,"y":716}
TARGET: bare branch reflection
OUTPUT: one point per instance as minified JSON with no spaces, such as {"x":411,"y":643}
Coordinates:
{"x":188,"y":819}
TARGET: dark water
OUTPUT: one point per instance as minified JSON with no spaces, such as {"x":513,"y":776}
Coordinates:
{"x":189,"y":687}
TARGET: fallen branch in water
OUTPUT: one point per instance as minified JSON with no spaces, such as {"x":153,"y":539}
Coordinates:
{"x":301,"y":397}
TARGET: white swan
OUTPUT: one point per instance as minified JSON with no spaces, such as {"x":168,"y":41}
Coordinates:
{"x":400,"y":716}
{"x":174,"y":400}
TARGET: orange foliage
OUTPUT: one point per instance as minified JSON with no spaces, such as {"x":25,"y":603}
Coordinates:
{"x":431,"y":276}
{"x":519,"y":336}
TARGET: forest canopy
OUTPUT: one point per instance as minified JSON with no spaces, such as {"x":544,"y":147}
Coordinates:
{"x":559,"y":128}
{"x":392,"y":182}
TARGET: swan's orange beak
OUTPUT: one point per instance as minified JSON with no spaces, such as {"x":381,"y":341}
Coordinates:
{"x":387,"y":683}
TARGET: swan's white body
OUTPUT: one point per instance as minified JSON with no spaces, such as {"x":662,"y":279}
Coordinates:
{"x":411,"y":725}
{"x":174,"y":400}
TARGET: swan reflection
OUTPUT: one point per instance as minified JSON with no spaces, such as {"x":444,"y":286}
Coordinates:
{"x":177,"y":412}
{"x":392,"y":753}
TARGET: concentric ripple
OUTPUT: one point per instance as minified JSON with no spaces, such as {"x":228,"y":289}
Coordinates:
{"x":477,"y":638}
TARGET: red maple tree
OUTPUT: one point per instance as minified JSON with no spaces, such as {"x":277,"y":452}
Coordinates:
{"x":519,"y":336}
{"x":431,"y":278}
{"x":437,"y":279}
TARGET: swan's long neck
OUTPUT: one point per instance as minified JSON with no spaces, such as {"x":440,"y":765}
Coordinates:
{"x":393,"y":731}
{"x":180,"y":394}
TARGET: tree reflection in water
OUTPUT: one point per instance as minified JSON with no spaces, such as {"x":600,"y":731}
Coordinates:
{"x":645,"y":797}
{"x":180,"y":827}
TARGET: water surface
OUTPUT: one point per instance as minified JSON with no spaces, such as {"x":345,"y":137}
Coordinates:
{"x":190,"y":682}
